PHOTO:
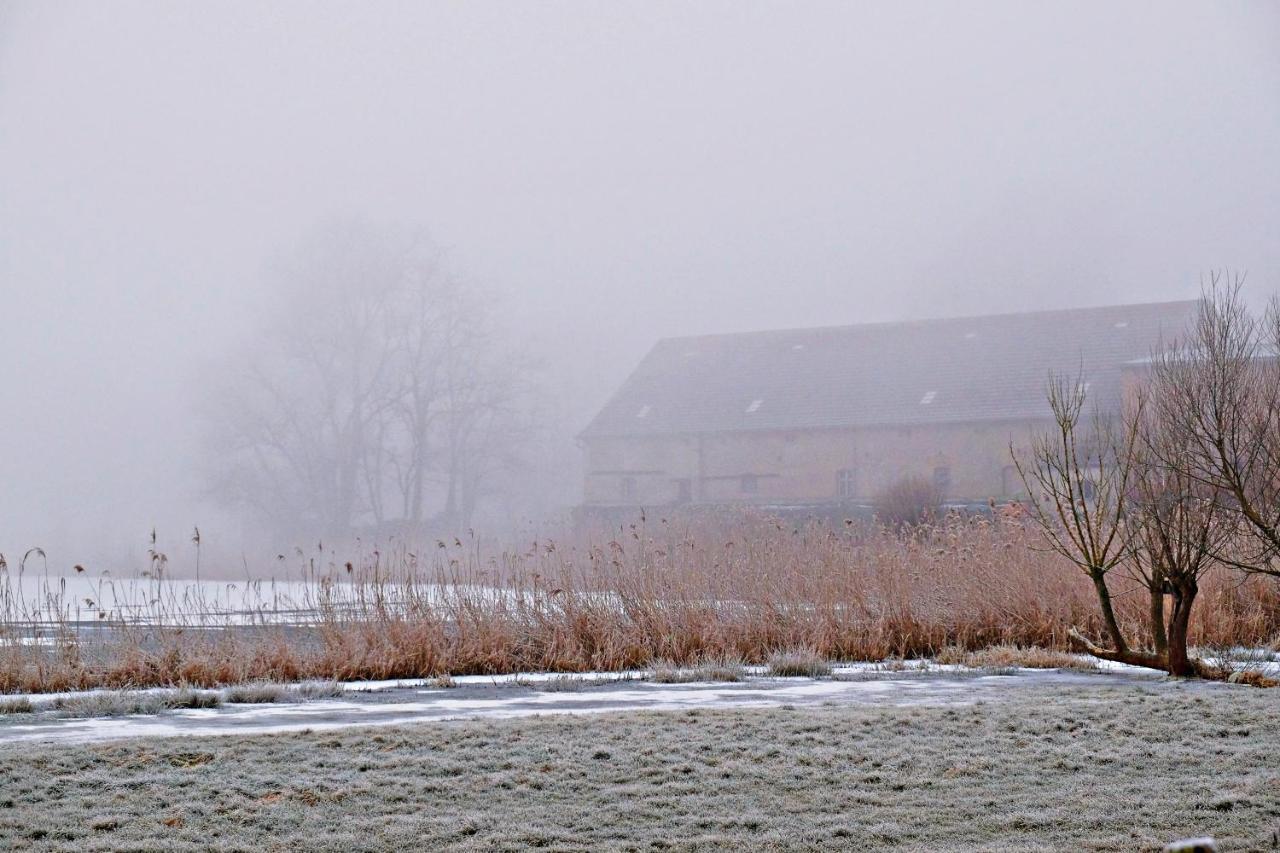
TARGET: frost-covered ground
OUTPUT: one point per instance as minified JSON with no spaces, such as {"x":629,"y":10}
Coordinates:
{"x":1046,"y":761}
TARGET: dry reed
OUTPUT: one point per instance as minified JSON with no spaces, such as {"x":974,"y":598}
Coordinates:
{"x":741,"y":589}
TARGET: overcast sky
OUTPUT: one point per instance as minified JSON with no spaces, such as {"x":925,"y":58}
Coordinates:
{"x":616,"y":172}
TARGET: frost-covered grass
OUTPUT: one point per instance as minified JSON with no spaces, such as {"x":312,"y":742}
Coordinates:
{"x":799,"y":663}
{"x":721,"y":669}
{"x":1101,"y":768}
{"x":119,"y":703}
{"x":564,"y":683}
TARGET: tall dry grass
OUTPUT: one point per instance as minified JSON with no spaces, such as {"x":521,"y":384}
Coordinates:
{"x":741,"y":589}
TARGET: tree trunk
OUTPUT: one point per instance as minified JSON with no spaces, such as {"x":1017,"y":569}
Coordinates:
{"x":1147,"y":659}
{"x":1108,"y":613}
{"x":1158,"y":637}
{"x":1184,"y":595}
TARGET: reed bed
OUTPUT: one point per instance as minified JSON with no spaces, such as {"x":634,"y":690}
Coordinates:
{"x":741,"y":589}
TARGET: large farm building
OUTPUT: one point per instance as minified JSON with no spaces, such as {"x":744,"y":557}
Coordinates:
{"x":832,"y":416}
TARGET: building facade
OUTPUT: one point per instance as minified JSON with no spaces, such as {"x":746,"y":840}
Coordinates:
{"x":834,"y":416}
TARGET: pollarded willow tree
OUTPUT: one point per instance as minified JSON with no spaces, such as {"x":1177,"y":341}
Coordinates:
{"x":378,"y":396}
{"x":1179,"y":526}
{"x":1081,"y":477}
{"x":1186,"y":480}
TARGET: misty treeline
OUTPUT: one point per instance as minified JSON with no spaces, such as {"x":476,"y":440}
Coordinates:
{"x":1185,"y":480}
{"x":382,"y":396}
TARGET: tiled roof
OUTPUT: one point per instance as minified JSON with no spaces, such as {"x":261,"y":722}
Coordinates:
{"x":928,"y":371}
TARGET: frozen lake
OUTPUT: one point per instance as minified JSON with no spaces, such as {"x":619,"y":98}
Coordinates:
{"x":391,"y":704}
{"x":33,"y":599}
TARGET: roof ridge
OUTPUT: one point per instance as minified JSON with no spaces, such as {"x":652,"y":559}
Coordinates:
{"x":926,"y":321}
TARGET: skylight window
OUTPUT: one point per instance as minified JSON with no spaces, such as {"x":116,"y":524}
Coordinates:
{"x":644,"y":412}
{"x":928,"y":397}
{"x":755,"y":404}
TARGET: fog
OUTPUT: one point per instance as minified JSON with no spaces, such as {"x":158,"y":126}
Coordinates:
{"x":604,"y":174}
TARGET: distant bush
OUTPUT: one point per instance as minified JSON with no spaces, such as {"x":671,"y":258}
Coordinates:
{"x":908,"y":502}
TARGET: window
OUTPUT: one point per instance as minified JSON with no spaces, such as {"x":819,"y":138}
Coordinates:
{"x":684,"y":491}
{"x":628,"y":488}
{"x":942,"y":478}
{"x":755,"y":405}
{"x":1010,"y":481}
{"x":846,"y":485}
{"x":749,"y":483}
{"x":928,"y":397}
{"x":644,"y":412}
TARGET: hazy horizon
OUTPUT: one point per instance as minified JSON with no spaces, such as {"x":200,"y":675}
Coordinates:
{"x":607,"y":175}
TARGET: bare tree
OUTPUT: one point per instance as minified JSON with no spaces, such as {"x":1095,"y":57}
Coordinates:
{"x":1217,"y":395}
{"x":378,"y":390}
{"x":909,"y":501}
{"x":1180,"y":527}
{"x":292,"y":429}
{"x":1080,"y":478}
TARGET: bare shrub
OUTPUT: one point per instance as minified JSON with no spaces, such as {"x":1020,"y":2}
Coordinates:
{"x":1252,"y":678}
{"x":910,"y":501}
{"x":16,"y":705}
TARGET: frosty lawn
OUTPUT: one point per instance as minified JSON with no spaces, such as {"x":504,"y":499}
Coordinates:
{"x":1105,"y":766}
